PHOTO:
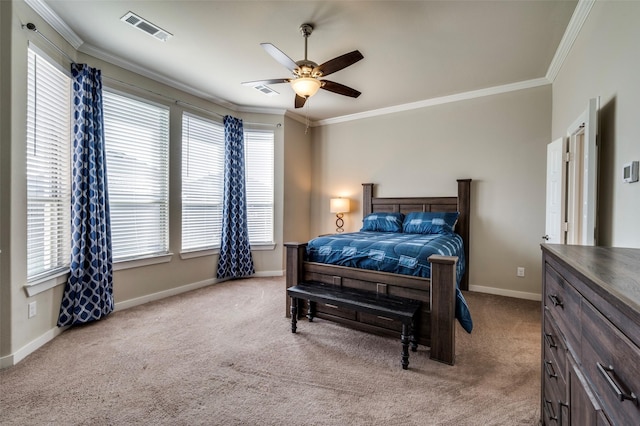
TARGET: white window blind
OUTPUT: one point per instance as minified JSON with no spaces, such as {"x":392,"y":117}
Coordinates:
{"x":202,"y":183}
{"x":137,"y":146}
{"x":48,"y":168}
{"x":259,"y":168}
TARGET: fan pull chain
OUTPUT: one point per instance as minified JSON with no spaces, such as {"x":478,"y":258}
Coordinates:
{"x":306,"y":113}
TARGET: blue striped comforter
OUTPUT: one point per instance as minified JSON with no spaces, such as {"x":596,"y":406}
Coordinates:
{"x":398,"y":253}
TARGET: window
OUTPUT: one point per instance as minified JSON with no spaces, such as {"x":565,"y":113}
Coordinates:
{"x":48,"y":168}
{"x":137,"y":146}
{"x":203,"y":180}
{"x":259,"y":166}
{"x":202,"y":183}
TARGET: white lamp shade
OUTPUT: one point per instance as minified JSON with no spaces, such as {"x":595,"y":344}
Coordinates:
{"x":305,"y":86}
{"x":339,"y":205}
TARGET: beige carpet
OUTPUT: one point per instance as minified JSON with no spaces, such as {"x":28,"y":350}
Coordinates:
{"x":225,"y":355}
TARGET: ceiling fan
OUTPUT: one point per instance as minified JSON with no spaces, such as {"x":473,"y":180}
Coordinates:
{"x":306,"y":74}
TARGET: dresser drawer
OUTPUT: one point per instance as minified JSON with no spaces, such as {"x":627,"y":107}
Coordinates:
{"x":554,"y":349}
{"x":611,"y":363}
{"x":562,"y":302}
{"x":553,"y":398}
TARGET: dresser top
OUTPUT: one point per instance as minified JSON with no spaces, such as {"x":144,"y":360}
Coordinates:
{"x":615,"y":270}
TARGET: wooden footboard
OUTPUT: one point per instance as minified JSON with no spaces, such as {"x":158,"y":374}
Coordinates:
{"x":436,"y":323}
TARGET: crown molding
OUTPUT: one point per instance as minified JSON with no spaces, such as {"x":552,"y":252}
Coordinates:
{"x":570,"y":35}
{"x":51,"y":18}
{"x":146,"y":72}
{"x":297,"y":117}
{"x":528,"y":84}
{"x":116,"y":60}
{"x":261,"y":110}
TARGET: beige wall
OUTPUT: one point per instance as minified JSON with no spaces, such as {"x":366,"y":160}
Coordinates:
{"x":297,"y":182}
{"x":604,"y":62}
{"x":499,"y":141}
{"x":5,"y":167}
{"x":20,"y":335}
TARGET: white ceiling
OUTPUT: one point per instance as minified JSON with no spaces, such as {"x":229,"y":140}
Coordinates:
{"x":413,"y":50}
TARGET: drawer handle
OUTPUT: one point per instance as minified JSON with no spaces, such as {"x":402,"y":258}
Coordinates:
{"x":385,"y":318}
{"x":621,"y":391}
{"x":560,"y":405}
{"x":551,"y":372}
{"x":548,"y":408}
{"x":556,"y":300}
{"x":329,"y":305}
{"x":548,"y":337}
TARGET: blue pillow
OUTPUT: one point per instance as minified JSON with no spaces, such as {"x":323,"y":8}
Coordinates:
{"x":430,"y":222}
{"x":383,"y":222}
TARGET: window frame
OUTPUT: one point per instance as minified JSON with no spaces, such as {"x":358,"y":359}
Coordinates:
{"x":49,"y":277}
{"x":164,"y":254}
{"x":209,"y":249}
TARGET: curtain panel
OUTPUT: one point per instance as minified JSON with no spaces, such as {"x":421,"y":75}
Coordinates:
{"x":88,"y":294}
{"x":235,"y":259}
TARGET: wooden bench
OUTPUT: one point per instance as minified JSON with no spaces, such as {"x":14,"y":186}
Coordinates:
{"x":395,"y":308}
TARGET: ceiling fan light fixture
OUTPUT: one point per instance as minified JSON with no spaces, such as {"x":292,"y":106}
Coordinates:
{"x":306,"y":86}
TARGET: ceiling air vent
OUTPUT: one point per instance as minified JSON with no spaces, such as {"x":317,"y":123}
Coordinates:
{"x":266,"y":90}
{"x":146,"y":26}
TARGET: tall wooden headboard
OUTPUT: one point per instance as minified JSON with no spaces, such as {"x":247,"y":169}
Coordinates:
{"x":460,"y":203}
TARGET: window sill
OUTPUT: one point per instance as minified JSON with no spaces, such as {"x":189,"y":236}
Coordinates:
{"x":61,"y":277}
{"x":210,"y":252}
{"x":46,"y":284}
{"x":263,"y":246}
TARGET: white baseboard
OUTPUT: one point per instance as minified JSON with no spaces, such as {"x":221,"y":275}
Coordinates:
{"x":264,"y":274}
{"x":29,"y":348}
{"x":182,"y":289}
{"x":162,"y":294}
{"x":507,"y":293}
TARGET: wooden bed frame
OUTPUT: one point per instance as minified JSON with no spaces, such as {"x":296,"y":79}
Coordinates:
{"x":436,"y":323}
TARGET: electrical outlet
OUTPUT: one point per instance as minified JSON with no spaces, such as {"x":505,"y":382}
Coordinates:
{"x":33,"y":309}
{"x":520,"y":271}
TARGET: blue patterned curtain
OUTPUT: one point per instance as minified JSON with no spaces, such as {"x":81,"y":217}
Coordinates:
{"x":235,"y":259}
{"x":88,"y":295}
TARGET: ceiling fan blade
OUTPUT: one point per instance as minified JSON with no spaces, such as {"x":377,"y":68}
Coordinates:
{"x":272,"y":81}
{"x":280,"y":56}
{"x":336,"y":64}
{"x":338,"y":88}
{"x":299,"y":102}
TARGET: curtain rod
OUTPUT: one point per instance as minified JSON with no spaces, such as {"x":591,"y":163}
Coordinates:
{"x":32,"y":27}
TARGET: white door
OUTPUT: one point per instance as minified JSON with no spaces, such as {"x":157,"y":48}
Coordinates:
{"x":572,"y":182}
{"x":554,"y":232}
{"x":582,"y":184}
{"x":590,"y":173}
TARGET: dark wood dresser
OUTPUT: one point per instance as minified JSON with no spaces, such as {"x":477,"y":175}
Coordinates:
{"x":590,"y":335}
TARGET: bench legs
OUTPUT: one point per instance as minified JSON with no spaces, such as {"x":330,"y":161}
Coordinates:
{"x":414,"y":341}
{"x":294,"y":314}
{"x":405,"y":338}
{"x":311,"y":311}
{"x":408,"y":337}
